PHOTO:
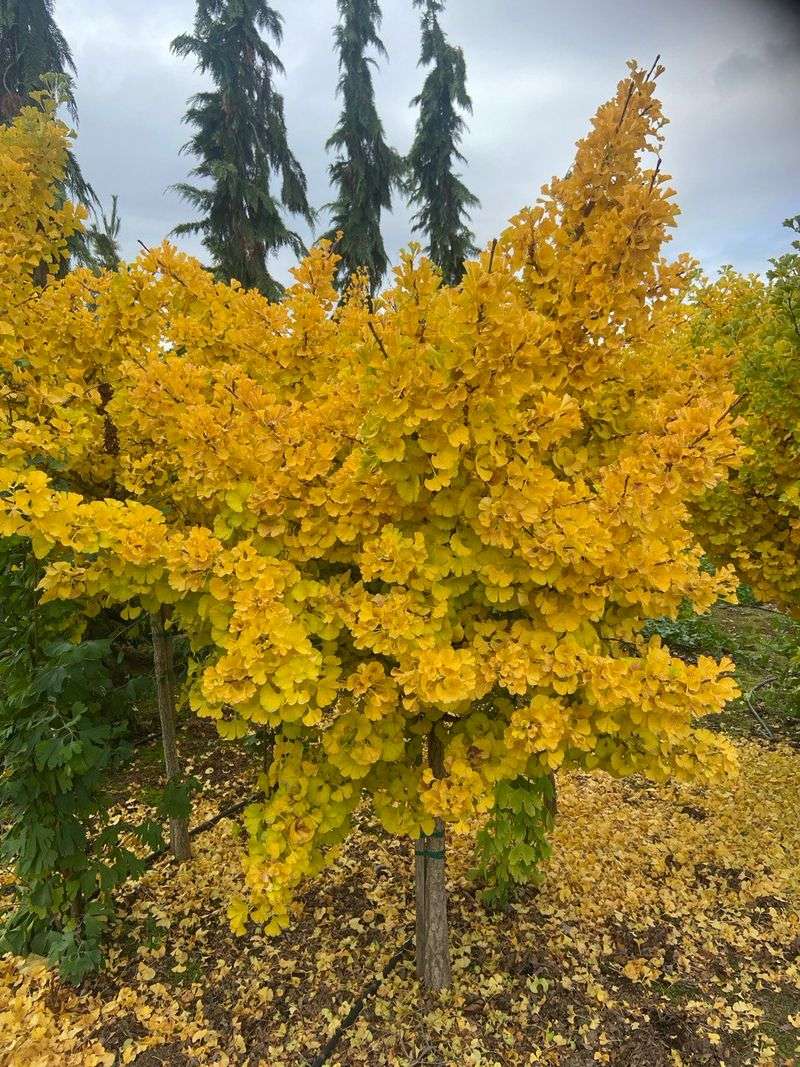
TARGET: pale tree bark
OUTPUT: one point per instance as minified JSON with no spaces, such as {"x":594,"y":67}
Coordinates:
{"x":165,"y":689}
{"x":433,"y":948}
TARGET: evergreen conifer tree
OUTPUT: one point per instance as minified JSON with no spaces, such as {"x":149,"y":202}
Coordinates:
{"x":366,"y":169}
{"x":35,"y":55}
{"x":31,"y":44}
{"x":434,"y":189}
{"x":241,"y":143}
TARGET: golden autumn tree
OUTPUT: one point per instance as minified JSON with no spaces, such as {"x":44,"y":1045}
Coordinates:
{"x":417,"y":538}
{"x":752,"y":519}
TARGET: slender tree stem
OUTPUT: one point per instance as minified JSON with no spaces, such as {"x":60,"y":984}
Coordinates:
{"x":165,"y":689}
{"x":433,"y":948}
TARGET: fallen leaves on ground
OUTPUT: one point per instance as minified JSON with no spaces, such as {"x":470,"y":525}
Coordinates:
{"x":666,"y":933}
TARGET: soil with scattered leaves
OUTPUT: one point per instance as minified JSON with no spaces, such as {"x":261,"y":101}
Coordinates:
{"x":666,"y":932}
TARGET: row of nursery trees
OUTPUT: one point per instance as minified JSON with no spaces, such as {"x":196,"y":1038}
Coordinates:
{"x":409,"y":537}
{"x":251,"y":183}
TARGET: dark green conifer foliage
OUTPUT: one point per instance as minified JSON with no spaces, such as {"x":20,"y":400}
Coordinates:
{"x":31,"y":44}
{"x":433,"y":187}
{"x":241,"y":143}
{"x":31,"y":48}
{"x":366,"y":169}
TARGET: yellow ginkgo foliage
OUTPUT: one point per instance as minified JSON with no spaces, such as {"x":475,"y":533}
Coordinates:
{"x":441,"y":517}
{"x":753,"y":518}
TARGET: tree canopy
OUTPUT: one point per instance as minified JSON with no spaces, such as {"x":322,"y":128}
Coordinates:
{"x":241,"y":143}
{"x":418,"y":536}
{"x":366,"y":170}
{"x":753,"y":518}
{"x":440,"y":196}
{"x":31,"y":45}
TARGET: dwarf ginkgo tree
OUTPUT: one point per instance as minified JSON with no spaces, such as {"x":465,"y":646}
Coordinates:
{"x":416,"y":536}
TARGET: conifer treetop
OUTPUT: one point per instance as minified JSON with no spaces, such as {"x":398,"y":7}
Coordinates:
{"x":241,"y":143}
{"x":366,"y":170}
{"x":440,"y":196}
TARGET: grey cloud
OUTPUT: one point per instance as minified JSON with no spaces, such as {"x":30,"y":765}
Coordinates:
{"x":741,"y":69}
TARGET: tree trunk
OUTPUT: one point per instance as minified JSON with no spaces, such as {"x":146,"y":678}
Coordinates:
{"x":551,"y":801}
{"x":419,"y":883}
{"x":433,"y":949}
{"x":76,"y":909}
{"x":165,"y":688}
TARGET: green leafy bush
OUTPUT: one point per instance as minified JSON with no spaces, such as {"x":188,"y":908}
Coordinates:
{"x":63,"y":722}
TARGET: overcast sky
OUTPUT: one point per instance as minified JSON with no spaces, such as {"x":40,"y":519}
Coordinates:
{"x":536,"y":71}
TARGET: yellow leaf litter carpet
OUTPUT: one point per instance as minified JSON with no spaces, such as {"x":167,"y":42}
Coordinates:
{"x":666,"y":932}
